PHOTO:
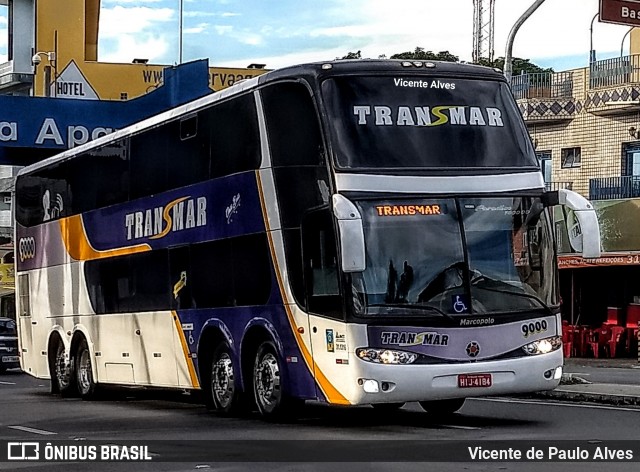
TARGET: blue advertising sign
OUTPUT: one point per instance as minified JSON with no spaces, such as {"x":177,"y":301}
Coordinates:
{"x":32,"y":128}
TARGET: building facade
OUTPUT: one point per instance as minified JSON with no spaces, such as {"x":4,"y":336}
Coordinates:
{"x":585,"y":126}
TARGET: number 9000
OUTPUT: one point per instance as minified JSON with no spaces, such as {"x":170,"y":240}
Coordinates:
{"x":534,"y":327}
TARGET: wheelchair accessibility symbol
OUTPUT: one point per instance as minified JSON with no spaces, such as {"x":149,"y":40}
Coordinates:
{"x":459,"y":306}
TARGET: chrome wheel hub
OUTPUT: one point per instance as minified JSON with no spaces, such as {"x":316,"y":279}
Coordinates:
{"x":267,"y":382}
{"x":62,"y":369}
{"x":223,"y":381}
{"x":84,"y":372}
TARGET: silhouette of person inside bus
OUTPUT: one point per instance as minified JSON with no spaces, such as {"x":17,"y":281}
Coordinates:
{"x":406,"y":280}
{"x":392,"y":278}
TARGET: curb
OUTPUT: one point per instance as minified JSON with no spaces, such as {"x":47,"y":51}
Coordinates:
{"x":607,"y":399}
{"x":565,"y":392}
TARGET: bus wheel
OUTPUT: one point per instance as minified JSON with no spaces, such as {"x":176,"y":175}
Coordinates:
{"x":61,"y":372}
{"x":384,"y":407}
{"x":267,"y":385}
{"x":223,"y":394}
{"x":442,"y":407}
{"x":84,"y":373}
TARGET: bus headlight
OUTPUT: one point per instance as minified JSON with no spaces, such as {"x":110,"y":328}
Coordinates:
{"x":385,"y":356}
{"x":543,"y":346}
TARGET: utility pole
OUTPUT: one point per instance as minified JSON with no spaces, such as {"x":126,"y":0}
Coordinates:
{"x":180,"y":32}
{"x":483,"y":23}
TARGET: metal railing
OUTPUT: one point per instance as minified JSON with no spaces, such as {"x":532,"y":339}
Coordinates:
{"x":615,"y":71}
{"x":542,"y":85}
{"x":611,"y":188}
{"x":552,"y":186}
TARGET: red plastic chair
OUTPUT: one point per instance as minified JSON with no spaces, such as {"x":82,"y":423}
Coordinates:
{"x":567,"y":338}
{"x":593,"y":337}
{"x":614,"y":340}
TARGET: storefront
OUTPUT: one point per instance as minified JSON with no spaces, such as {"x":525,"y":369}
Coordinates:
{"x":601,"y":297}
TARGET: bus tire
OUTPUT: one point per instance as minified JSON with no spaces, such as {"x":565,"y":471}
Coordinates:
{"x":87,"y":388}
{"x":269,"y":396}
{"x":222,"y":393}
{"x":442,"y":407}
{"x":61,"y":372}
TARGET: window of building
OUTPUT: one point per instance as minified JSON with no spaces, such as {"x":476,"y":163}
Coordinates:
{"x":631,"y":161}
{"x":571,"y":157}
{"x":545,"y":165}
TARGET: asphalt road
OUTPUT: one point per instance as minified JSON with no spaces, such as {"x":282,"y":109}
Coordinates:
{"x":178,"y":423}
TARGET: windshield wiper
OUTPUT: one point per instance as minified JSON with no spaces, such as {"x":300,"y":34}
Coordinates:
{"x":408,"y":306}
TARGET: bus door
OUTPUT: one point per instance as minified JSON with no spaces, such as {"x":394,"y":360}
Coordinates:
{"x":26,"y":326}
{"x":323,"y":295}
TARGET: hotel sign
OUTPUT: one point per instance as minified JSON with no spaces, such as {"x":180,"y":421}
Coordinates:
{"x":620,"y":12}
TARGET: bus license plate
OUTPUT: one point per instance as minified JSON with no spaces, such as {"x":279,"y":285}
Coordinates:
{"x":474,"y":380}
{"x":10,"y":358}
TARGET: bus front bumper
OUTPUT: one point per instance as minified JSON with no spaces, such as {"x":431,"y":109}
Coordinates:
{"x":379,"y":383}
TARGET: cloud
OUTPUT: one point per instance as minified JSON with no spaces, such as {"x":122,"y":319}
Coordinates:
{"x":208,"y":14}
{"x":125,"y":2}
{"x":127,"y":47}
{"x":223,"y":29}
{"x":122,"y":20}
{"x":201,"y":28}
{"x":249,"y":38}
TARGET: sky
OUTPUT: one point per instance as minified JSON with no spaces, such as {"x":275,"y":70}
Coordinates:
{"x":236,"y":33}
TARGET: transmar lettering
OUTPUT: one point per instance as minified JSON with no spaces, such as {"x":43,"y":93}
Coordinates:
{"x":155,"y":223}
{"x":382,"y":115}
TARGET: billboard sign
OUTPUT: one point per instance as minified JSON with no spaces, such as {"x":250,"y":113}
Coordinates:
{"x":32,"y":128}
{"x":620,"y":12}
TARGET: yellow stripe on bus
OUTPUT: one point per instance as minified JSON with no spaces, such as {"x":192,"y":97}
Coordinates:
{"x":185,"y":349}
{"x":79,"y":247}
{"x":332,"y":394}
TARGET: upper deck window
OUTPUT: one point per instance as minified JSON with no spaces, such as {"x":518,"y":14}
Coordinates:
{"x":413,"y":122}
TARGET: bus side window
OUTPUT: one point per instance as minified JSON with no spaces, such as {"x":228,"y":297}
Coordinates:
{"x":321,"y":265}
{"x":299,"y":167}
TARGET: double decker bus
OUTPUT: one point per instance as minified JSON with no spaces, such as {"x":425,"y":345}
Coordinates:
{"x":353,"y":232}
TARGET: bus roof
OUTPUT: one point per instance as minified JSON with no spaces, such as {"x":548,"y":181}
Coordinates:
{"x":316,"y":70}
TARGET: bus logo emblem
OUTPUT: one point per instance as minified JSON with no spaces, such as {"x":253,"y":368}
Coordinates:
{"x":473,"y":349}
{"x":27,"y":248}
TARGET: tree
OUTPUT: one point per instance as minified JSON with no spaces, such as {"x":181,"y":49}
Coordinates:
{"x":519,"y":65}
{"x":422,"y":55}
{"x":352,"y":55}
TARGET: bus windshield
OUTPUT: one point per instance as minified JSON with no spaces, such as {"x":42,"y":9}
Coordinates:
{"x":396,"y":122}
{"x":454,"y":256}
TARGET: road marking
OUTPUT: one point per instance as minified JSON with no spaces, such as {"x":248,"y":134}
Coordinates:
{"x":456,"y":426}
{"x":32,"y":430}
{"x":557,"y":403}
{"x":7,"y":383}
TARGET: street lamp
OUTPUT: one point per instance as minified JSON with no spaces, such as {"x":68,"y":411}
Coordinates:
{"x":592,"y":53}
{"x":36,"y":59}
{"x":508,"y":58}
{"x":623,"y":38}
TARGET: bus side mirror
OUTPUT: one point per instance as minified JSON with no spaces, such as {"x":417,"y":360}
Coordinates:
{"x":582,"y":223}
{"x":351,"y":233}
